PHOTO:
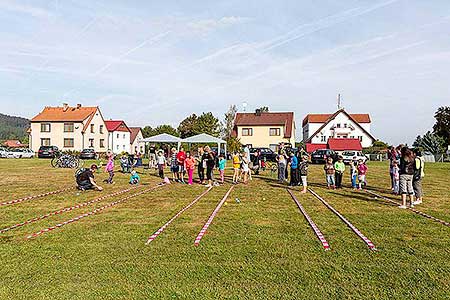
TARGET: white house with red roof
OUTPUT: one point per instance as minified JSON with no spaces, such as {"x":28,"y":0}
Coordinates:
{"x":319,"y":128}
{"x":69,"y":128}
{"x":265,"y":129}
{"x":119,"y":136}
{"x":136,"y":138}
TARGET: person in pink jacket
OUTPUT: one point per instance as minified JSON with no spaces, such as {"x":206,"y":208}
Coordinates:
{"x":189,"y":166}
{"x":362,"y":171}
{"x":110,"y":168}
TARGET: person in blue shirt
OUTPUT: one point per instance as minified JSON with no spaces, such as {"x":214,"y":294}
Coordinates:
{"x":134,"y":179}
{"x":294,"y":170}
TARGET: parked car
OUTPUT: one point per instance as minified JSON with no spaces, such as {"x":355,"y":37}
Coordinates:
{"x":48,"y":151}
{"x":88,"y":154}
{"x":349,"y":154}
{"x":321,"y":155}
{"x":266,"y":153}
{"x":22,"y":153}
{"x":3,"y":152}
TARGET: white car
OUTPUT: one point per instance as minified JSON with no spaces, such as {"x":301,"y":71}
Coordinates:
{"x":348,"y":156}
{"x":22,"y":153}
{"x":3,"y":152}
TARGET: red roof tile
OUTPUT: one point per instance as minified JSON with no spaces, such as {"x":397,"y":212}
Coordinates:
{"x":266,"y":119}
{"x":116,"y":125}
{"x":344,"y":144}
{"x":134,"y":132}
{"x":59,"y":114}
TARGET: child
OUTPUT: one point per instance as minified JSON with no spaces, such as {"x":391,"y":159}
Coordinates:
{"x":161,"y":161}
{"x":174,"y":164}
{"x":329,"y":172}
{"x":134,"y":179}
{"x":222,"y":163}
{"x":339,"y":167}
{"x":354,"y":173}
{"x":395,"y":177}
{"x":362,"y":171}
{"x":189,"y":166}
{"x":304,"y":173}
{"x":110,"y":168}
{"x":245,"y":167}
{"x":236,"y":167}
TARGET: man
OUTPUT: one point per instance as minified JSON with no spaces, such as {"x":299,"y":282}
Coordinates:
{"x":181,"y":157}
{"x":85,"y":179}
{"x":294,"y":170}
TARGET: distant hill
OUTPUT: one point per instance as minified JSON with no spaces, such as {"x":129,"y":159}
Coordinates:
{"x":13,"y":127}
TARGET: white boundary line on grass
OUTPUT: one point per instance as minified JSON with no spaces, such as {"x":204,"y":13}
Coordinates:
{"x":352,"y":227}
{"x":63,"y":210}
{"x":211,"y":218}
{"x":313,"y":225}
{"x":90,"y":213}
{"x":420,"y":213}
{"x":160,"y":230}
{"x":35,"y":196}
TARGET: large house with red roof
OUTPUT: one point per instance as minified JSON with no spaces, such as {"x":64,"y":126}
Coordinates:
{"x":265,"y":129}
{"x":319,"y":128}
{"x":69,"y":128}
{"x":119,"y":136}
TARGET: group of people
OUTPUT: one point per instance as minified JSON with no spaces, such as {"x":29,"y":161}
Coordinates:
{"x":406,"y":169}
{"x":334,"y":173}
{"x":296,"y":162}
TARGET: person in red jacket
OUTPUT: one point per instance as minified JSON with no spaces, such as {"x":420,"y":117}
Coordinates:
{"x":181,"y":156}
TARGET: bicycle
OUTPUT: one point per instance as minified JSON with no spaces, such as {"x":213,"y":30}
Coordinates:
{"x":66,"y":161}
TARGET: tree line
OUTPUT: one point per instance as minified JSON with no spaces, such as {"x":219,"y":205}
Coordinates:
{"x":13,"y":128}
{"x":437,"y":140}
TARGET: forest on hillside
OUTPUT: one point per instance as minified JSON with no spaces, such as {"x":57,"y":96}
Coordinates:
{"x":13,"y":127}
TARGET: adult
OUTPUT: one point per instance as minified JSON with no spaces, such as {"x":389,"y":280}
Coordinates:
{"x":256,"y":161}
{"x":181,"y":157}
{"x":85,"y":179}
{"x":282,"y":151}
{"x":210,"y":163}
{"x":418,"y":175}
{"x":152,"y":156}
{"x":294,"y":170}
{"x":201,"y":164}
{"x":406,"y":176}
{"x":247,"y":152}
{"x":281,"y":160}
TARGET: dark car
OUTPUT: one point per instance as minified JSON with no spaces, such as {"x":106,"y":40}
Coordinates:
{"x":48,"y":151}
{"x":320,"y":156}
{"x":266,"y":153}
{"x":88,"y":154}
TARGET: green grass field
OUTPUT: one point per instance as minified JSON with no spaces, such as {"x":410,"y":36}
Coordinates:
{"x":261,"y":248}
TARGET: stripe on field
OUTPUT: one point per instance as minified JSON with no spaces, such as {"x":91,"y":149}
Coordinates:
{"x":211,"y":218}
{"x":160,"y":230}
{"x":350,"y":225}
{"x":100,"y":209}
{"x":35,"y":196}
{"x":63,"y":210}
{"x":313,"y":225}
{"x":420,"y":213}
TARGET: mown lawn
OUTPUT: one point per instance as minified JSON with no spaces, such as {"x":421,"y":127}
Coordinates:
{"x":260,"y":248}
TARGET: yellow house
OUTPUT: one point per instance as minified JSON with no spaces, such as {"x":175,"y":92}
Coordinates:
{"x":69,"y":128}
{"x":265,"y":129}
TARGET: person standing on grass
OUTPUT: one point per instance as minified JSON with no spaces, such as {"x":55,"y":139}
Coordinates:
{"x":161,"y":161}
{"x":201,"y":165}
{"x":236,"y":167}
{"x":189,"y":166}
{"x":245,"y":166}
{"x":303,"y":170}
{"x":406,"y":176}
{"x":418,"y":175}
{"x":329,"y":173}
{"x":222,"y":163}
{"x":181,"y":156}
{"x":395,"y":177}
{"x":174,"y":165}
{"x":339,"y":167}
{"x":85,"y":179}
{"x":110,"y":168}
{"x":294,"y":170}
{"x":354,"y":173}
{"x":281,"y":159}
{"x":362,"y":171}
{"x":210,"y":163}
{"x":247,"y":152}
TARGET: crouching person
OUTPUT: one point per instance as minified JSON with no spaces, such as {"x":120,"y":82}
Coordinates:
{"x":134,"y":179}
{"x":85,"y":179}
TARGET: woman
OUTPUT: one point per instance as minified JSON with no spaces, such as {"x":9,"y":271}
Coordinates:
{"x":200,"y":168}
{"x":406,"y":176}
{"x":281,"y":159}
{"x":418,"y":175}
{"x":210,"y":163}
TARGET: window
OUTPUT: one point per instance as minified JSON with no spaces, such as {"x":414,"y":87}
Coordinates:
{"x":345,"y":125}
{"x":102,"y":143}
{"x":68,"y":127}
{"x":274,"y":131}
{"x":323,"y":138}
{"x":247,"y":131}
{"x":101,"y":129}
{"x":91,"y":143}
{"x":68,"y":143}
{"x":360,"y":138}
{"x":123,"y":147}
{"x":45,"y":127}
{"x":124,"y":135}
{"x":117,"y":135}
{"x":338,"y":125}
{"x":45,"y":142}
{"x":117,"y":147}
{"x":92,"y":128}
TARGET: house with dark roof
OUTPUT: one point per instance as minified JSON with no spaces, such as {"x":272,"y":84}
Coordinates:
{"x":136,"y":137}
{"x":319,"y":128}
{"x":119,"y":136}
{"x":69,"y":128}
{"x":265,"y":129}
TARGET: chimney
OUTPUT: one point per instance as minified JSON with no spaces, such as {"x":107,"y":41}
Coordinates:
{"x":258,"y":112}
{"x":65,"y":106}
{"x":79,"y":105}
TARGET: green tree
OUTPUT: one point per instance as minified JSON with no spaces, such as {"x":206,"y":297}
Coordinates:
{"x":430,"y":142}
{"x":233,"y":144}
{"x":230,"y":115}
{"x":442,"y":125}
{"x":165,"y":129}
{"x":188,"y":127}
{"x":147,"y":131}
{"x":207,"y":123}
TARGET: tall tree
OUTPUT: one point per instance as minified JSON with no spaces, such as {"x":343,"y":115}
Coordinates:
{"x":442,"y":125}
{"x":207,"y":123}
{"x":430,"y":142}
{"x":165,"y":129}
{"x":147,"y":131}
{"x":230,"y":115}
{"x":188,"y":127}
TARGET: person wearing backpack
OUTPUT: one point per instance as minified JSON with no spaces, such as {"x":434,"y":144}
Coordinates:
{"x":418,"y":175}
{"x":406,"y":176}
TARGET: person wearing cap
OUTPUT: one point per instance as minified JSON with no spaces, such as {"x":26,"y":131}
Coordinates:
{"x":85,"y":179}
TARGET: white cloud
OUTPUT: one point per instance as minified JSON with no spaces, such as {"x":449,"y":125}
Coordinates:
{"x":34,"y":11}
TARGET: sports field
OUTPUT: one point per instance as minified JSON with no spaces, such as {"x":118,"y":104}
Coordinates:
{"x":260,"y":248}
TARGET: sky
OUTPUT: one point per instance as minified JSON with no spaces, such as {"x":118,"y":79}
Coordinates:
{"x":156,"y":62}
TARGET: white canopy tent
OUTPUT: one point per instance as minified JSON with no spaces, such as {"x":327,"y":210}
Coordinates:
{"x":206,"y":138}
{"x":163,"y":138}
